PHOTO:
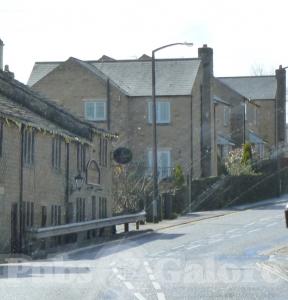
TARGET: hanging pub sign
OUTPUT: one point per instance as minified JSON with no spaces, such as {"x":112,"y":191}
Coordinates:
{"x":122,"y":155}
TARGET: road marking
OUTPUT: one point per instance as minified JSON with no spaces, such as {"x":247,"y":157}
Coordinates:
{"x":271,"y":224}
{"x":216,"y":235}
{"x":156,"y":285}
{"x":129,"y":285}
{"x":120,"y":277}
{"x":192,"y":247}
{"x":254,"y":230}
{"x":232,"y":230}
{"x":158,"y":253}
{"x":178,"y":247}
{"x":161,"y":296}
{"x":147,"y":267}
{"x":139,"y":296}
{"x":234,"y":236}
{"x":250,"y":224}
{"x":264,"y":219}
{"x":215,"y":241}
{"x":151,"y":277}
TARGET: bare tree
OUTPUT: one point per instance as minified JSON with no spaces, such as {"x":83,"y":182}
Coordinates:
{"x":259,"y":70}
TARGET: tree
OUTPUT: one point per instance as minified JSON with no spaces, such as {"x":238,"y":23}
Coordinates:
{"x":131,"y":187}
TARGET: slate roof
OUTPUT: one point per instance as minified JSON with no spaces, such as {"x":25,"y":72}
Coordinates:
{"x":20,"y":102}
{"x":253,"y":87}
{"x":16,"y":112}
{"x":173,"y":76}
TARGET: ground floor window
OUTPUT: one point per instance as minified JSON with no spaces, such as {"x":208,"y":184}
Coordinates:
{"x":80,"y":209}
{"x":102,"y":207}
{"x":27,"y":214}
{"x":55,"y":215}
{"x":163,"y":161}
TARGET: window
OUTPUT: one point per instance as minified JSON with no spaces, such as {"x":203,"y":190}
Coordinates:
{"x":224,"y":150}
{"x":162,"y":112}
{"x":93,"y":207}
{"x":226,"y":116}
{"x":102,"y":207}
{"x":80,"y":209}
{"x":164,"y":163}
{"x":56,"y":153}
{"x":28,"y":146}
{"x":95,"y":111}
{"x":93,"y":173}
{"x":1,"y":137}
{"x":27,"y":214}
{"x":55,"y":215}
{"x":81,"y":157}
{"x":103,"y":144}
{"x":245,"y":111}
{"x":43,"y":216}
{"x":255,"y":115}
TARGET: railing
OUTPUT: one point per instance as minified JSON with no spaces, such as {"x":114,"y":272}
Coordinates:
{"x":46,"y":232}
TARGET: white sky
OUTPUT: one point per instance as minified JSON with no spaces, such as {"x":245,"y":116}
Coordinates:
{"x":242,"y":33}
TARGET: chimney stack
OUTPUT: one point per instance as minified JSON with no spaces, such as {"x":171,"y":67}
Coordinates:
{"x":1,"y":54}
{"x":207,"y":117}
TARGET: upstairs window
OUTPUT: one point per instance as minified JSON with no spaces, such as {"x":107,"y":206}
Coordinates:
{"x":103,"y":152}
{"x":95,"y":111}
{"x":56,"y":153}
{"x":28,"y":146}
{"x":162,"y":112}
{"x":255,"y":115}
{"x":226,"y":116}
{"x":81,"y":157}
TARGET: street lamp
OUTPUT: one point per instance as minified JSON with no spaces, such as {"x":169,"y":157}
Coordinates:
{"x":79,"y":180}
{"x":154,"y":150}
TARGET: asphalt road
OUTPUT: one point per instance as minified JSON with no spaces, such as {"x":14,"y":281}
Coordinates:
{"x":218,"y":258}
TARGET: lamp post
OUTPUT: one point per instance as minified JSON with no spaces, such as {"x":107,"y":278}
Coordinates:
{"x":280,"y":119}
{"x":154,"y":149}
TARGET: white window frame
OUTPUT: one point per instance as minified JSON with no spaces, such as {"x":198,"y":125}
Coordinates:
{"x":161,"y":172}
{"x":95,"y":103}
{"x":167,"y":120}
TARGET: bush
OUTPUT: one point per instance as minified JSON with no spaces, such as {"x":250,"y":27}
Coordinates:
{"x":239,"y":161}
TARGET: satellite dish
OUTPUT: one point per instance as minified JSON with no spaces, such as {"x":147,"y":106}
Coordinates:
{"x":122,"y":155}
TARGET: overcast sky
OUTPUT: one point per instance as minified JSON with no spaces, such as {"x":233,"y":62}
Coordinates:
{"x":242,"y":33}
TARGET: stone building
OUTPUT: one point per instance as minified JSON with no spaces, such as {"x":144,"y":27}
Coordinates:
{"x":198,"y":115}
{"x":54,"y":168}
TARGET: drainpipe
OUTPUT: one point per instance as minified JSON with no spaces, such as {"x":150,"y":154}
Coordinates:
{"x":67,"y":212}
{"x":1,"y":54}
{"x":21,"y":225}
{"x":108,"y":104}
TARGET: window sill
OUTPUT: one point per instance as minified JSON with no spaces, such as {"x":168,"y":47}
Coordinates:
{"x":161,"y":124}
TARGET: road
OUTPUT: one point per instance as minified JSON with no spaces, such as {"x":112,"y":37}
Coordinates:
{"x":217,"y":258}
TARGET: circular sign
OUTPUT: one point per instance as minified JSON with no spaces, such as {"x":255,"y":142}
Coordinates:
{"x":122,"y":155}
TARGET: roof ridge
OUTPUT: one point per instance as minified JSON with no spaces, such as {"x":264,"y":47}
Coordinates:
{"x":247,"y":76}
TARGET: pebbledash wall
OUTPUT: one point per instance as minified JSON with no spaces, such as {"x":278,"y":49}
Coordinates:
{"x":36,"y":194}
